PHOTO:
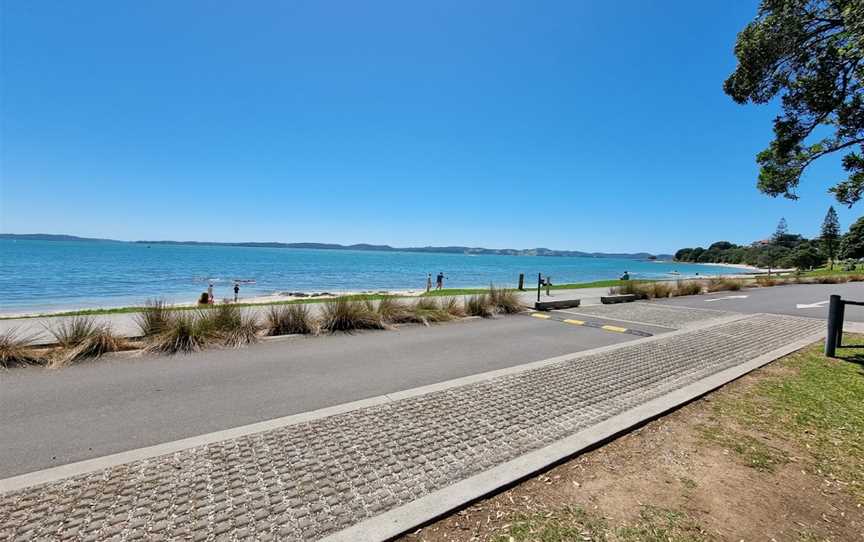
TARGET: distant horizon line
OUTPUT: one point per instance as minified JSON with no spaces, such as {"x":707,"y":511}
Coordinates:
{"x":448,"y":249}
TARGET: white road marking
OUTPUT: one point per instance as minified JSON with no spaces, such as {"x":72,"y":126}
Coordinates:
{"x":726,"y":297}
{"x":810,"y":305}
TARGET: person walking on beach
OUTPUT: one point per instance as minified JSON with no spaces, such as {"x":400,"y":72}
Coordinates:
{"x":210,"y":294}
{"x":236,"y":291}
{"x":428,"y":282}
{"x":439,"y":281}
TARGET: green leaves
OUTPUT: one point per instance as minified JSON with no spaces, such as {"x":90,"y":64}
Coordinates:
{"x":811,"y":54}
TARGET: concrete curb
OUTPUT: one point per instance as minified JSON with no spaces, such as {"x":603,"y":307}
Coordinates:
{"x":435,"y":504}
{"x":54,"y":474}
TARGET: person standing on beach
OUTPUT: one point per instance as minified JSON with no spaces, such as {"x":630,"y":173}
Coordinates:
{"x":428,"y":282}
{"x":236,"y":291}
{"x":210,"y":293}
{"x":439,"y":281}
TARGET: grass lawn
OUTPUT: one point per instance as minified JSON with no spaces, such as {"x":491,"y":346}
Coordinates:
{"x":776,"y":455}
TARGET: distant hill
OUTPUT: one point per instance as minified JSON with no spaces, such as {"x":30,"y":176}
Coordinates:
{"x":362,"y":246}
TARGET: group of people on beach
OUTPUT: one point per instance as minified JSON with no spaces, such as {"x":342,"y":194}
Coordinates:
{"x":208,"y":299}
{"x":439,"y":282}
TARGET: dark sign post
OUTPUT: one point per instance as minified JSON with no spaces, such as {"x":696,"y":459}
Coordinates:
{"x":539,"y":283}
{"x":836,"y":314}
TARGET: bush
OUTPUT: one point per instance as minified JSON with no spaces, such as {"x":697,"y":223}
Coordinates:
{"x":630,"y":287}
{"x":99,"y":341}
{"x":16,"y":349}
{"x":348,"y":315}
{"x":154,"y":318}
{"x":856,"y":278}
{"x":427,"y":309}
{"x":393,"y":311}
{"x":503,"y":300}
{"x":767,"y":282}
{"x":453,"y":307}
{"x":479,"y":305}
{"x":185,"y":333}
{"x":71,"y":332}
{"x":687,"y":287}
{"x":658,"y":289}
{"x":294,"y":319}
{"x":722,"y":284}
{"x":829,"y":279}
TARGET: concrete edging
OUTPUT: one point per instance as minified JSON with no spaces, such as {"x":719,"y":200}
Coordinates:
{"x":397,"y":521}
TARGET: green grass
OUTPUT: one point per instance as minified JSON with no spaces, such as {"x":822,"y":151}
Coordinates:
{"x":574,"y":524}
{"x":816,"y":403}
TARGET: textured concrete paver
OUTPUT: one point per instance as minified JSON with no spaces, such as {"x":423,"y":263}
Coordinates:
{"x":651,"y":313}
{"x":307,"y":480}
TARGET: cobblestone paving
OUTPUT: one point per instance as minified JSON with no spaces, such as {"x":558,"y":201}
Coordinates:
{"x":307,"y":480}
{"x":649,"y":313}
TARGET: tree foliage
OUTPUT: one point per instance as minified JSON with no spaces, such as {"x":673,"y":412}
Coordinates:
{"x":811,"y":54}
{"x":830,"y":234}
{"x":852,"y":244}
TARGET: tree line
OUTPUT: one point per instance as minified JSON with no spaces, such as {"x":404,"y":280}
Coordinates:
{"x":786,"y":249}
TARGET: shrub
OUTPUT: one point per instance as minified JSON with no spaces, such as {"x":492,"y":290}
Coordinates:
{"x":16,"y":349}
{"x":393,"y":311}
{"x":154,"y":318}
{"x":829,"y":279}
{"x":342,"y":314}
{"x":657,"y":289}
{"x":722,"y":284}
{"x":186,"y":333}
{"x":767,"y":282}
{"x":290,"y":320}
{"x":856,"y":278}
{"x":630,"y":287}
{"x":427,"y":309}
{"x":453,"y":307}
{"x":243,"y":331}
{"x":99,"y":341}
{"x":503,"y":300}
{"x":687,"y":287}
{"x":479,"y":305}
{"x":71,"y":332}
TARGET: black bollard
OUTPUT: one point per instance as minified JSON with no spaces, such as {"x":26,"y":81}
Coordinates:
{"x":521,"y":282}
{"x":835,"y":325}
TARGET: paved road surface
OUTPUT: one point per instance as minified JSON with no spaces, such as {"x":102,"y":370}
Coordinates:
{"x":55,"y":417}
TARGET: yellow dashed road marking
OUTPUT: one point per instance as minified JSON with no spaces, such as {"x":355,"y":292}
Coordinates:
{"x":615,"y":328}
{"x":538,"y":315}
{"x":575,"y":322}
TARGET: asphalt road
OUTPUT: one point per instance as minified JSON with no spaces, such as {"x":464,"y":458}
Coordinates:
{"x":780,"y":300}
{"x":50,"y":418}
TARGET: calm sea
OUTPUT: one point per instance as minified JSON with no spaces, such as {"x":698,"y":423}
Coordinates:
{"x":43,"y":275}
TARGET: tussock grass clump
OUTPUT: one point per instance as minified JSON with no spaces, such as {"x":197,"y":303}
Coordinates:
{"x":630,"y":288}
{"x":479,"y":305}
{"x":100,"y":341}
{"x":186,"y":333}
{"x":452,"y":306}
{"x":348,"y":315}
{"x":154,"y":319}
{"x":71,"y":332}
{"x":829,"y":279}
{"x":229,"y":325}
{"x":856,"y":278}
{"x":427,"y":309}
{"x":687,"y":287}
{"x":504,"y":301}
{"x":16,"y":349}
{"x":723,"y":284}
{"x":393,"y":311}
{"x":243,"y":331}
{"x":657,"y":289}
{"x":767,"y":282}
{"x":295,"y":319}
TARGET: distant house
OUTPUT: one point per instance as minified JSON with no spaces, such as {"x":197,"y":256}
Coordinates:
{"x":761,"y":243}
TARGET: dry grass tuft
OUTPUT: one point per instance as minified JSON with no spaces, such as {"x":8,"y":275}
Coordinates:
{"x":70,"y":332}
{"x":16,"y":349}
{"x":504,"y":301}
{"x":295,"y":319}
{"x":186,"y":333}
{"x":100,"y":341}
{"x":479,"y":305}
{"x":154,"y":319}
{"x":453,"y":307}
{"x":427,"y":309}
{"x":348,"y":315}
{"x":687,"y":287}
{"x":723,"y":284}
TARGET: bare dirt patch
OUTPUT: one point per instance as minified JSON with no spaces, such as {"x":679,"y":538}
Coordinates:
{"x":776,"y":455}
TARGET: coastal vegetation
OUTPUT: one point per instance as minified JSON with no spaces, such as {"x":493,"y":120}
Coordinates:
{"x":788,"y":250}
{"x":16,"y":349}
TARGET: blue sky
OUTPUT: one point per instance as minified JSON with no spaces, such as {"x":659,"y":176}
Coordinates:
{"x":572,"y":125}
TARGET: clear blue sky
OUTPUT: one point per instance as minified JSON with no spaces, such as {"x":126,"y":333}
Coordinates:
{"x":573,"y":125}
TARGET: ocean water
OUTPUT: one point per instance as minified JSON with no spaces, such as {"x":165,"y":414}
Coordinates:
{"x":46,"y":275}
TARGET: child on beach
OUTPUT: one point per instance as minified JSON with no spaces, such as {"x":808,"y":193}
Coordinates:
{"x":429,"y":282}
{"x":210,"y":294}
{"x":236,"y":291}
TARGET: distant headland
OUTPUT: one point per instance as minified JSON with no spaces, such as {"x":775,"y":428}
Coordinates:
{"x":360,"y":246}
